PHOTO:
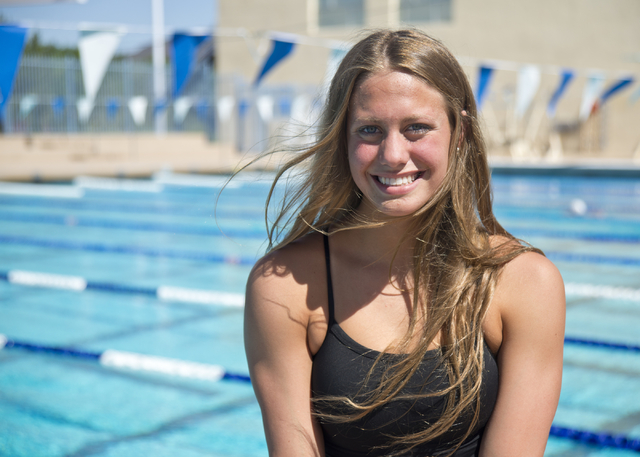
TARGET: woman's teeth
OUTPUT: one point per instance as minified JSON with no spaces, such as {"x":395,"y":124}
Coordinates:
{"x":398,"y":181}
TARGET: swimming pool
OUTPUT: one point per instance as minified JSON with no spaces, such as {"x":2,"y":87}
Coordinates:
{"x":141,"y":268}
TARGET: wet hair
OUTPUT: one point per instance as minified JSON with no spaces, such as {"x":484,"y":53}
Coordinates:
{"x":459,"y":247}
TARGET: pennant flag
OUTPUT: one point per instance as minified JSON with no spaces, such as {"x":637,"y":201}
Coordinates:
{"x":58,"y":105}
{"x":113,"y":106}
{"x":181,"y":108}
{"x":284,"y":106}
{"x":279,"y":50}
{"x":484,"y":78}
{"x":27,"y":104}
{"x":615,"y":87}
{"x":183,"y":51}
{"x":85,"y":107}
{"x":225,"y":107}
{"x":96,"y":51}
{"x":528,"y":83}
{"x":592,"y":90}
{"x":202,"y":109}
{"x":243,"y":107}
{"x":565,"y":78}
{"x":11,"y":45}
{"x":159,"y":105}
{"x":138,"y":108}
{"x":265,"y":107}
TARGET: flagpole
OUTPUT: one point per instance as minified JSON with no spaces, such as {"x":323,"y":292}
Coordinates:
{"x":159,"y":77}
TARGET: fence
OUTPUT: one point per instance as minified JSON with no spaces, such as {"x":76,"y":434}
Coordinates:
{"x":226,"y":108}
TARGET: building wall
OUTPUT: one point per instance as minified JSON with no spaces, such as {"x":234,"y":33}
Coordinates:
{"x":584,"y":35}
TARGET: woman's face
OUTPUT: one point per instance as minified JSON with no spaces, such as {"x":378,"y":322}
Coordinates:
{"x":398,"y":142}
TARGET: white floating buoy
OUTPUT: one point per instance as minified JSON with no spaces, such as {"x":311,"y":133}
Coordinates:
{"x":578,"y":207}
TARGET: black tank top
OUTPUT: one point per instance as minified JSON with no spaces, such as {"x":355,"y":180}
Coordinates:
{"x":339,"y":369}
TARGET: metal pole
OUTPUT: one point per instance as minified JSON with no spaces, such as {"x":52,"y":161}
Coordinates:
{"x":159,"y":77}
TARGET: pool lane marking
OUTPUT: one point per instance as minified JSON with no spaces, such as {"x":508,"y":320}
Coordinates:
{"x":204,"y":296}
{"x":110,"y":223}
{"x":214,"y":373}
{"x":164,"y":293}
{"x":603,"y":439}
{"x":125,"y":249}
{"x":74,"y":221}
{"x":134,"y":361}
{"x":41,"y":190}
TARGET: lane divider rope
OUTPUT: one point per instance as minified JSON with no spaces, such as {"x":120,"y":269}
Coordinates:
{"x":74,"y":221}
{"x":194,"y":370}
{"x":259,"y":233}
{"x":134,"y":361}
{"x":602,"y":439}
{"x":164,"y":293}
{"x":124,"y":249}
{"x":211,"y":297}
{"x":218,"y":258}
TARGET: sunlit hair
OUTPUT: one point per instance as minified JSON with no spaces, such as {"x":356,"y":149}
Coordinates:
{"x":455,"y":267}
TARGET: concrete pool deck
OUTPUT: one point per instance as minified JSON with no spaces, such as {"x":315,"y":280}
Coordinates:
{"x":50,"y":157}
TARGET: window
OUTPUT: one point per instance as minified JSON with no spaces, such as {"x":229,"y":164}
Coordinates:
{"x":425,"y":10}
{"x":336,"y":13}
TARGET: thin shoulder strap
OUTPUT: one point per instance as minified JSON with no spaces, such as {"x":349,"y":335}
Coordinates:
{"x":327,"y":260}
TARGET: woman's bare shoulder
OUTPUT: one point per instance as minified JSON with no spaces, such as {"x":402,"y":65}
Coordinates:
{"x":529,"y":283}
{"x":289,"y":274}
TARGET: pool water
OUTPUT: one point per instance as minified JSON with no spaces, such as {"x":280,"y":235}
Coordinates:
{"x":132,"y":237}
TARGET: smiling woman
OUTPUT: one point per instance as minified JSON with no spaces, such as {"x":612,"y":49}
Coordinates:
{"x":393,"y":315}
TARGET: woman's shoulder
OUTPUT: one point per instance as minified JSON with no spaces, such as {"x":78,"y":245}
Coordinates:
{"x":529,"y":283}
{"x":290,"y":274}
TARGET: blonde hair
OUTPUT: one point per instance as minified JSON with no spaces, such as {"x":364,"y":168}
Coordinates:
{"x":455,"y":266}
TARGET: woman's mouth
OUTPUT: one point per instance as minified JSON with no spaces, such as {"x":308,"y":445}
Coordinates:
{"x":395,"y":182}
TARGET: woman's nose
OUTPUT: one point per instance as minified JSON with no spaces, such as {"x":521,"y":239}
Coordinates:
{"x":393,"y":151}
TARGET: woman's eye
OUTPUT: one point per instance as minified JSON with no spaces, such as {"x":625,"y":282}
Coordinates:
{"x":418,"y":128}
{"x":369,"y":130}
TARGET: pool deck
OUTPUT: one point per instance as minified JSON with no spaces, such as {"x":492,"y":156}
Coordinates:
{"x":62,"y":157}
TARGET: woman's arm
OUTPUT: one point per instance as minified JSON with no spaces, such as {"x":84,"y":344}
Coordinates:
{"x":277,"y":317}
{"x":531,"y":303}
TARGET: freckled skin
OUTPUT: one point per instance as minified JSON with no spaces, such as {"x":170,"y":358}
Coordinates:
{"x":397,"y":127}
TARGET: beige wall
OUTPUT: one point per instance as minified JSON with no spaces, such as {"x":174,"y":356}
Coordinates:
{"x":579,"y":34}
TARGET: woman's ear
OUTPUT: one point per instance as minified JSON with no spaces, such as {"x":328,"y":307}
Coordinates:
{"x":464,"y":115}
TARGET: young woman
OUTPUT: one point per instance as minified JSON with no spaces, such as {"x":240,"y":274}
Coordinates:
{"x":394,"y":315}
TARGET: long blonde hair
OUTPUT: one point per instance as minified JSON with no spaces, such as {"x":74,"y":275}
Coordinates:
{"x":455,"y":266}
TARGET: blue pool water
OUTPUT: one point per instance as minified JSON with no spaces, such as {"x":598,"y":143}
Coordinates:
{"x":130,"y":239}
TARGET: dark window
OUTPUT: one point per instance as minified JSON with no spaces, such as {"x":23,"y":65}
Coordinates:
{"x":425,"y":10}
{"x":335,"y":13}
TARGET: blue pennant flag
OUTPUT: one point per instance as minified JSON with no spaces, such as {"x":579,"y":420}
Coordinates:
{"x":12,"y":40}
{"x":184,"y":50}
{"x":484,"y":77}
{"x":565,"y":78}
{"x":113,"y":105}
{"x":58,"y":105}
{"x":202,"y":109}
{"x":615,"y":87}
{"x":279,"y":50}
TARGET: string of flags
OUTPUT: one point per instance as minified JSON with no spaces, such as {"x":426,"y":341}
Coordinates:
{"x":97,"y":49}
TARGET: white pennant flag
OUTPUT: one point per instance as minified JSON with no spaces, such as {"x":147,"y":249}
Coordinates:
{"x":96,"y":51}
{"x":225,"y":107}
{"x":181,"y":108}
{"x":27,"y":103}
{"x":592,"y":90}
{"x":85,"y":107}
{"x":528,"y":83}
{"x":265,"y":107}
{"x":138,"y":108}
